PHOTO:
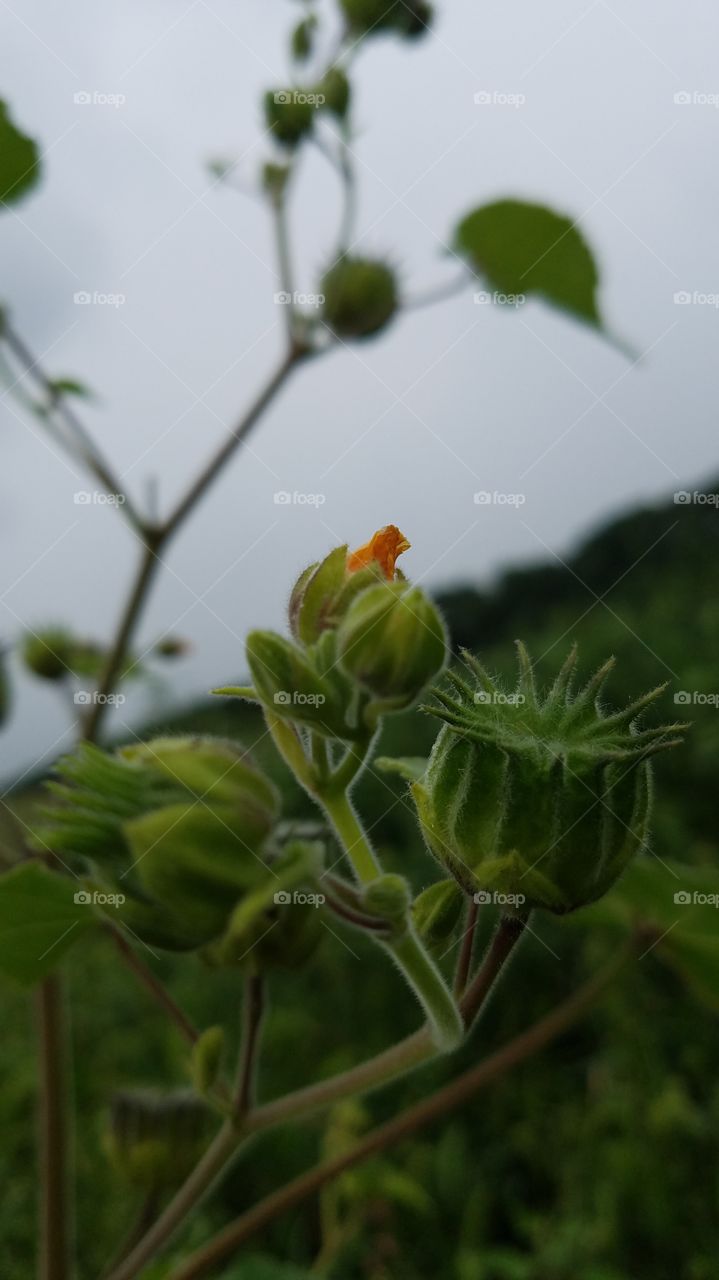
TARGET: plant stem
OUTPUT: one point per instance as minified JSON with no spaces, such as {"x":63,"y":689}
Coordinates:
{"x":146,"y":570}
{"x":252,"y":1013}
{"x":464,"y":961}
{"x":340,"y":811}
{"x":509,"y":930}
{"x":239,"y":433}
{"x":56,"y":1208}
{"x":419,"y":970}
{"x":407,"y":1123}
{"x":156,"y":988}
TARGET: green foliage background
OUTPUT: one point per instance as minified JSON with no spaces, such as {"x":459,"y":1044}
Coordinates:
{"x":598,"y":1159}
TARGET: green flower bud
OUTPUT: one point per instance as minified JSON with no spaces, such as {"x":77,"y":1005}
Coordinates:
{"x":335,"y":89}
{"x":294,"y":687}
{"x":360,"y":297}
{"x":436,"y":913}
{"x":393,"y":641}
{"x":154,"y":1140}
{"x":207,"y":1059}
{"x":389,"y":898}
{"x":175,"y":828}
{"x":290,"y":114}
{"x":405,"y":17}
{"x":49,"y":654}
{"x":539,"y":801}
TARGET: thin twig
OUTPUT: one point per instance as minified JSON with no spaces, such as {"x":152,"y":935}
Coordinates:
{"x":507,"y":935}
{"x":89,"y":451}
{"x":405,"y":1125}
{"x":464,"y":960}
{"x":157,"y":990}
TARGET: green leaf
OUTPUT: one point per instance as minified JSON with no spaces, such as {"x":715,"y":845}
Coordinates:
{"x":39,"y":919}
{"x":19,"y":160}
{"x":521,"y":248}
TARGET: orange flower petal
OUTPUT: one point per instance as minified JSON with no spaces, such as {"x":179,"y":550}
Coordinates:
{"x":384,"y":547}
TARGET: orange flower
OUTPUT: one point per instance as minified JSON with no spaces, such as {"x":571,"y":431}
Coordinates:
{"x":384,"y":547}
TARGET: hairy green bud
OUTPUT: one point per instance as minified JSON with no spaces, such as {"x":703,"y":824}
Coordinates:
{"x":49,"y":654}
{"x":393,"y":641}
{"x":171,"y":833}
{"x":335,"y":89}
{"x":537,"y":801}
{"x":299,"y":684}
{"x":389,"y":898}
{"x":436,"y":913}
{"x":361,"y":297}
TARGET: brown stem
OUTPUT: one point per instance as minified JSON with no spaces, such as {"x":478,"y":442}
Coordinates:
{"x":464,"y":961}
{"x":55,"y":1207}
{"x":252,"y":1014}
{"x":156,"y":988}
{"x":507,"y":935}
{"x":453,"y":1095}
{"x":235,"y":439}
{"x":147,"y":568}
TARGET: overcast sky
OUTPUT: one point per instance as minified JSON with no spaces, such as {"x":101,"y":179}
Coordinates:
{"x":452,"y":400}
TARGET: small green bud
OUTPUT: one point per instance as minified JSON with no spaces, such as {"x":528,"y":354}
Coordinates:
{"x":537,"y":801}
{"x":335,"y":89}
{"x":436,"y":913}
{"x":405,"y":17}
{"x":172,"y":647}
{"x":154,"y":1140}
{"x":49,"y":654}
{"x":293,"y":688}
{"x":360,"y":295}
{"x":388,"y":897}
{"x":207,"y":1059}
{"x":290,"y":114}
{"x":393,"y":641}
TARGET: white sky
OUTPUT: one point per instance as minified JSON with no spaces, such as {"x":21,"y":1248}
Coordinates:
{"x":452,"y":400}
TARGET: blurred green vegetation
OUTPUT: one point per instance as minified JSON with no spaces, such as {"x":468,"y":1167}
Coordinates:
{"x":597,"y":1160}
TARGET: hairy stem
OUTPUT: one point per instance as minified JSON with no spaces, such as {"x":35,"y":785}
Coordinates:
{"x":421,"y":973}
{"x":55,"y":1203}
{"x":252,"y":1014}
{"x":464,"y":960}
{"x":405,"y":1125}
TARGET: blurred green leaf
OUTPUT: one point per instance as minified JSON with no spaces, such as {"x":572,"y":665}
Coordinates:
{"x":39,"y":920}
{"x":682,"y":904}
{"x":522,"y":248}
{"x":19,"y":160}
